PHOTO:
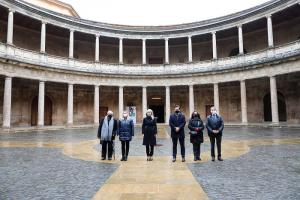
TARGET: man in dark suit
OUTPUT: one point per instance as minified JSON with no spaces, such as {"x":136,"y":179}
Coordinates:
{"x":106,"y":133}
{"x":177,"y":123}
{"x":215,"y":126}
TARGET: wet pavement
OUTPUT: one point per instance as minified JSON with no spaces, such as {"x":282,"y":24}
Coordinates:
{"x":269,"y":169}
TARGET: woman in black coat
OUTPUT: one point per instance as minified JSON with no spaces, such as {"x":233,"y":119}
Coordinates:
{"x":196,"y":127}
{"x":149,"y":130}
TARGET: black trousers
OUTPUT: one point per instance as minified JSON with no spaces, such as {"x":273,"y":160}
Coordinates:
{"x":182,"y":147}
{"x":107,"y":147}
{"x":149,"y":150}
{"x":125,"y":148}
{"x":213,"y":140}
{"x":196,"y":150}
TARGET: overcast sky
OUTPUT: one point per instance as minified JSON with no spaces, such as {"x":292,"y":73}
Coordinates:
{"x":157,"y":12}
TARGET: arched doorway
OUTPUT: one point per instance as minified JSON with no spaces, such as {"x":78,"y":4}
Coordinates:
{"x":47,"y":111}
{"x":281,"y":107}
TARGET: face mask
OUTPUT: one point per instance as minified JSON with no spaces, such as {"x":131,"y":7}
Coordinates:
{"x":214,"y":112}
{"x":176,"y":111}
{"x":125,"y":115}
{"x":109,"y":116}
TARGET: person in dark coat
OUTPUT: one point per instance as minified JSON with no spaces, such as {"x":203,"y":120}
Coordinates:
{"x":196,"y":127}
{"x":149,"y":130}
{"x":215,"y":126}
{"x":177,"y":123}
{"x":125,"y":132}
{"x":106,"y":133}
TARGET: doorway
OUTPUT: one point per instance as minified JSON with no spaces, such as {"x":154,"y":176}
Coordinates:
{"x":159,"y":112}
{"x":47,"y":111}
{"x":281,"y":107}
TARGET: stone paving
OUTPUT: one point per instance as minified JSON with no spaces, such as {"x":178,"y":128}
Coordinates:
{"x":260,"y":163}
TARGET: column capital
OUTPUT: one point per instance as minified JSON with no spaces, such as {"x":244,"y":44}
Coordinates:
{"x":239,"y":25}
{"x":189,"y":36}
{"x":97,"y":35}
{"x":269,"y":15}
{"x":213,"y":32}
{"x":166,"y":39}
{"x":144,"y":39}
{"x":121,"y":38}
{"x":11,"y":10}
{"x":72,"y":30}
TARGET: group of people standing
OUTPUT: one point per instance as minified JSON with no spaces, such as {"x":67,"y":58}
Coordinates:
{"x":124,"y":128}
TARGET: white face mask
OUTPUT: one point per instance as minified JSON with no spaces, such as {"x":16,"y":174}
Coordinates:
{"x":213,"y":112}
{"x":125,"y":115}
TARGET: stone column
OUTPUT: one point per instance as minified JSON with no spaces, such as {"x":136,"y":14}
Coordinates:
{"x":96,"y":104}
{"x":244,"y":102}
{"x":71,"y":44}
{"x":144,"y":101}
{"x":41,"y":104}
{"x":144,"y":52}
{"x":97,"y":48}
{"x":191,"y":99}
{"x":168,"y":104}
{"x":7,"y":102}
{"x":10,"y":27}
{"x":190,"y":48}
{"x":241,"y":43}
{"x":70,"y":104}
{"x":121,"y":50}
{"x":270,"y":31}
{"x":216,"y":97}
{"x":214,"y":45}
{"x":121,"y":101}
{"x":43,"y":37}
{"x":274,"y":100}
{"x":166,"y":50}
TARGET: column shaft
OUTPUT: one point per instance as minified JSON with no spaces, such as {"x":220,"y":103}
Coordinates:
{"x":216,"y":97}
{"x":241,"y":43}
{"x":168,"y":104}
{"x":10,"y":27}
{"x":96,"y":105}
{"x":214,"y":45}
{"x":270,"y":31}
{"x":70,"y":104}
{"x":43,"y":38}
{"x":97,"y":48}
{"x":121,"y":101}
{"x":144,"y":52}
{"x":191,"y":99}
{"x":144,"y":101}
{"x":244,"y":102}
{"x":7,"y":102}
{"x":166,"y":51}
{"x":121,"y":51}
{"x":190,"y":49}
{"x":274,"y":100}
{"x":41,"y":104}
{"x":71,"y":44}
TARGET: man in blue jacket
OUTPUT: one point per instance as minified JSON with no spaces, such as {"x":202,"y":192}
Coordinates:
{"x":215,"y":126}
{"x":177,"y":123}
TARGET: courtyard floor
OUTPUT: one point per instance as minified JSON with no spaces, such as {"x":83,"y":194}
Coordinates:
{"x":259,"y":163}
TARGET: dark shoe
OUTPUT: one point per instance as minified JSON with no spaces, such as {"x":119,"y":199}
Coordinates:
{"x":109,"y":158}
{"x":213,"y":159}
{"x":174,"y":160}
{"x":125,"y":159}
{"x":195,"y":158}
{"x":103,"y":158}
{"x":122,"y":159}
{"x":183,"y":159}
{"x":150,"y":158}
{"x":199,"y":158}
{"x":220,"y":159}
